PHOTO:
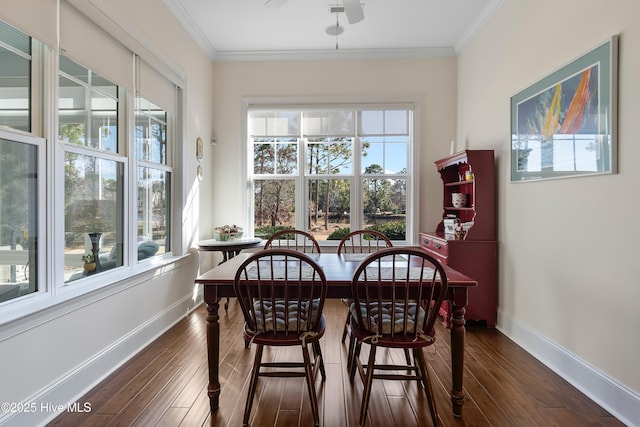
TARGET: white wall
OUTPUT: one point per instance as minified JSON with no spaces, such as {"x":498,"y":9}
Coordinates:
{"x":56,"y":355}
{"x":431,"y":81}
{"x":569,"y":264}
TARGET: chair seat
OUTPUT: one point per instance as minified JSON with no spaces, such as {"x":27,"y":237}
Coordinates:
{"x":291,"y":315}
{"x":396,"y":341}
{"x":283,"y":338}
{"x":391,"y":317}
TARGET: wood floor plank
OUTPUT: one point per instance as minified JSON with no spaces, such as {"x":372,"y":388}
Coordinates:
{"x":267,"y":403}
{"x":331,"y":401}
{"x":402,"y":412}
{"x":167,"y":395}
{"x":172,"y":417}
{"x":130,"y":390}
{"x":166,"y":385}
{"x":132,"y":409}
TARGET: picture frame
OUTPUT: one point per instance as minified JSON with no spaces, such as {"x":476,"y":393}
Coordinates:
{"x":199,"y":149}
{"x":565,"y":125}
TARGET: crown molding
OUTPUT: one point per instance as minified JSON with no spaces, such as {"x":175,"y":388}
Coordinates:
{"x":325,"y":54}
{"x":190,"y":26}
{"x":478,"y":24}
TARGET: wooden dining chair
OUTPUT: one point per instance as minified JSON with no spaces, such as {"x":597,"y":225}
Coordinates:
{"x":360,"y":242}
{"x":282,"y":293}
{"x":363,"y":242}
{"x":296,"y":240}
{"x":397,"y":293}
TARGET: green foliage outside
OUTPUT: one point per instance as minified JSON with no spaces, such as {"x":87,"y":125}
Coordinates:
{"x":269,"y":230}
{"x":394,"y":230}
{"x":339,"y":234}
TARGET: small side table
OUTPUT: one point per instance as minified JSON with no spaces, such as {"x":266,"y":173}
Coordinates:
{"x":229,"y":249}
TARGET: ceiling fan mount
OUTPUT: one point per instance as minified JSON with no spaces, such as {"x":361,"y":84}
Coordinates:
{"x":352,"y":8}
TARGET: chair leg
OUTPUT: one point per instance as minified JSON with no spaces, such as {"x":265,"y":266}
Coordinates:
{"x":318,"y":352}
{"x":346,"y":328}
{"x":253,"y":384}
{"x":354,"y":356}
{"x":311,"y":385}
{"x":350,"y":351}
{"x":407,"y":356}
{"x":366,"y":395}
{"x":426,"y":382}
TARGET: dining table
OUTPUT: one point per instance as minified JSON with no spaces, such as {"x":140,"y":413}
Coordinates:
{"x":339,"y":270}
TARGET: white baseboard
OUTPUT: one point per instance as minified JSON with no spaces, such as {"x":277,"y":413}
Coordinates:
{"x":614,"y":397}
{"x":70,"y":388}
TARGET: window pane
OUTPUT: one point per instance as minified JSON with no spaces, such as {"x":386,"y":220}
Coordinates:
{"x":153,"y":212}
{"x":264,"y":157}
{"x":274,"y":123}
{"x":15,"y":38}
{"x":384,"y":155}
{"x":385,"y":206}
{"x":396,"y":122}
{"x":93,"y":213}
{"x":15,"y":78}
{"x":329,"y":156}
{"x":151,"y":133}
{"x":88,"y":108}
{"x":329,"y":205}
{"x":72,"y":111}
{"x":274,"y":205}
{"x":104,"y":121}
{"x":72,"y":69}
{"x":328,"y":123}
{"x":271,"y":157}
{"x":18,"y":219}
{"x":372,"y":123}
{"x":387,"y":122}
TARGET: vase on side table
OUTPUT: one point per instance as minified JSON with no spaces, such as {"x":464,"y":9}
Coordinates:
{"x":95,"y":248}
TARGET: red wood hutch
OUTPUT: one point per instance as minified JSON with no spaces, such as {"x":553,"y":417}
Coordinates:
{"x":475,"y":254}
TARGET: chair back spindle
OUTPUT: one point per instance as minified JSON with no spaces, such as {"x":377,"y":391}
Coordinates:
{"x":296,"y":240}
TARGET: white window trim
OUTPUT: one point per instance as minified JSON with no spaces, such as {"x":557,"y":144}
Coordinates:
{"x":53,"y":296}
{"x":370,"y":102}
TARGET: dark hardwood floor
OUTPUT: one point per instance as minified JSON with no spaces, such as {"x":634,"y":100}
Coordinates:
{"x":165,"y":385}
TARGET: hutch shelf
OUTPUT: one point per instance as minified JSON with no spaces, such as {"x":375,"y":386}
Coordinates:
{"x":471,"y":172}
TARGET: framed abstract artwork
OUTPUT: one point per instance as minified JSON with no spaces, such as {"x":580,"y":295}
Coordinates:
{"x":565,"y":124}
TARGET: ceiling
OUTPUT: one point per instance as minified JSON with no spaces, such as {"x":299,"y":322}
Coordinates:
{"x":297,"y":29}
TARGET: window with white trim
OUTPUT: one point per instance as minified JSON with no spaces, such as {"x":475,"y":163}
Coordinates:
{"x":153,"y":178}
{"x":331,"y":170}
{"x":21,"y":169}
{"x":72,"y":167}
{"x":93,"y":171}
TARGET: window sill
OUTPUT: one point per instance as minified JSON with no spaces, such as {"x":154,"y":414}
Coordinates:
{"x":33,"y":310}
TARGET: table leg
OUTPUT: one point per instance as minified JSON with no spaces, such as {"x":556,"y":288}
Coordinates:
{"x":457,"y":350}
{"x":226,"y":256}
{"x":213,"y":344}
